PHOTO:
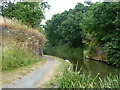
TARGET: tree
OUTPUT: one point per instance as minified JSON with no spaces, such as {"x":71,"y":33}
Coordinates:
{"x":30,"y":13}
{"x":52,"y":28}
{"x":102,"y":20}
{"x":65,"y":28}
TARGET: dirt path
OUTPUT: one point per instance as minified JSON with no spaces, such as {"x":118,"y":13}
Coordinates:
{"x":33,"y":79}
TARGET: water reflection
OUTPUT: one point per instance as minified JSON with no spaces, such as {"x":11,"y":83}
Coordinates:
{"x":95,"y":67}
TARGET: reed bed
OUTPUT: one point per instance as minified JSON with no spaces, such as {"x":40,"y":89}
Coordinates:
{"x":76,"y":79}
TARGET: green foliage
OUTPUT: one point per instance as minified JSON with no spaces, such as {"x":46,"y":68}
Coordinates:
{"x":16,"y":58}
{"x":102,"y":20}
{"x":65,"y":52}
{"x":65,"y":28}
{"x":51,"y":29}
{"x":76,"y":79}
{"x":30,"y":13}
{"x":113,"y":51}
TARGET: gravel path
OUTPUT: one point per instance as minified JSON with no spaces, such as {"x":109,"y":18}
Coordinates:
{"x":33,"y":79}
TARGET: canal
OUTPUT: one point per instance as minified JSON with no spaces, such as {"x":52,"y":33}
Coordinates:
{"x":94,"y":67}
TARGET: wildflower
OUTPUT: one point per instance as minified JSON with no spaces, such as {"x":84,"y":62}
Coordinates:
{"x":9,"y":52}
{"x":23,"y":45}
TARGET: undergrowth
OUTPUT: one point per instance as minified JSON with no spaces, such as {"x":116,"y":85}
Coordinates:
{"x":65,"y":52}
{"x":76,"y":79}
{"x":15,"y":58}
{"x":17,"y":25}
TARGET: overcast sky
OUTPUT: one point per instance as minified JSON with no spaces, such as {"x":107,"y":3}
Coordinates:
{"x":58,"y":6}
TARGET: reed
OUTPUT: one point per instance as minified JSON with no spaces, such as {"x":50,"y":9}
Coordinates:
{"x":76,"y":79}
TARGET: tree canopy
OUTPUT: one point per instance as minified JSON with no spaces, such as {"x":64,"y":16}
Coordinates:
{"x":65,"y":27}
{"x":30,"y":13}
{"x":98,"y":20}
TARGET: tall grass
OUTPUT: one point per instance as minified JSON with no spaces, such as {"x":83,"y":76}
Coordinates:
{"x":15,"y":58}
{"x":65,"y":52}
{"x":17,"y":25}
{"x":14,"y":54}
{"x":76,"y":79}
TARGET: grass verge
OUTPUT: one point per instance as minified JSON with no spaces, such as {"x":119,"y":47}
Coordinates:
{"x":16,"y":58}
{"x":11,"y":75}
{"x":76,"y":79}
{"x":18,"y":62}
{"x":50,"y":80}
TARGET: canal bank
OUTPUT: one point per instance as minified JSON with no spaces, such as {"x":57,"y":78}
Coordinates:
{"x":75,"y":56}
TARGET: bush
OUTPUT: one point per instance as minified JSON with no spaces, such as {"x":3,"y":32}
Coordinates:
{"x":113,"y":51}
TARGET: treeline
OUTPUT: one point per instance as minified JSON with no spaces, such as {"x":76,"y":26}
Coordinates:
{"x":22,"y":36}
{"x":88,"y":25}
{"x":30,"y":13}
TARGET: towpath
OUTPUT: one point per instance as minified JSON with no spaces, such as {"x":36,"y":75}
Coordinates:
{"x":30,"y":81}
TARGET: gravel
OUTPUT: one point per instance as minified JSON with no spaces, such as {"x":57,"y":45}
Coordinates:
{"x":33,"y":79}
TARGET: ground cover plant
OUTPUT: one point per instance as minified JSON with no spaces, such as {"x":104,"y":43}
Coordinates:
{"x":12,"y":59}
{"x":14,"y":52}
{"x":76,"y":79}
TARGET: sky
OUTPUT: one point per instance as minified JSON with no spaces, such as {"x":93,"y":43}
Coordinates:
{"x":58,"y":6}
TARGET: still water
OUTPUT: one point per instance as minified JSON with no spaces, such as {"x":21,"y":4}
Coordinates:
{"x":95,"y":67}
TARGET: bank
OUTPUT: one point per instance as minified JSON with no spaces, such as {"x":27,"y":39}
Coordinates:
{"x":94,"y":69}
{"x":48,"y":80}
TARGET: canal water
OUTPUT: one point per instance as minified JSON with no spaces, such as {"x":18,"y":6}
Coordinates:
{"x":95,"y":67}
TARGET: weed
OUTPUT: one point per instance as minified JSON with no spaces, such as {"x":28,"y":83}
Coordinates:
{"x":17,"y":25}
{"x":65,"y":52}
{"x":75,"y":79}
{"x":16,"y":58}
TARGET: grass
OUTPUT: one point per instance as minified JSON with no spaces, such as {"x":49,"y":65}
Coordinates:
{"x":16,"y":25}
{"x":76,"y":79}
{"x":16,"y":58}
{"x":65,"y":52}
{"x":59,"y":68}
{"x":14,"y":55}
{"x":17,"y":73}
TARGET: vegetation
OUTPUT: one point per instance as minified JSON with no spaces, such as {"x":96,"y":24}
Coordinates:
{"x":17,"y":25}
{"x":9,"y":75}
{"x":14,"y":55}
{"x":65,"y":52}
{"x":92,"y":25}
{"x":30,"y":13}
{"x":13,"y":59}
{"x":64,"y":28}
{"x":102,"y":20}
{"x":23,"y":18}
{"x":76,"y":79}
